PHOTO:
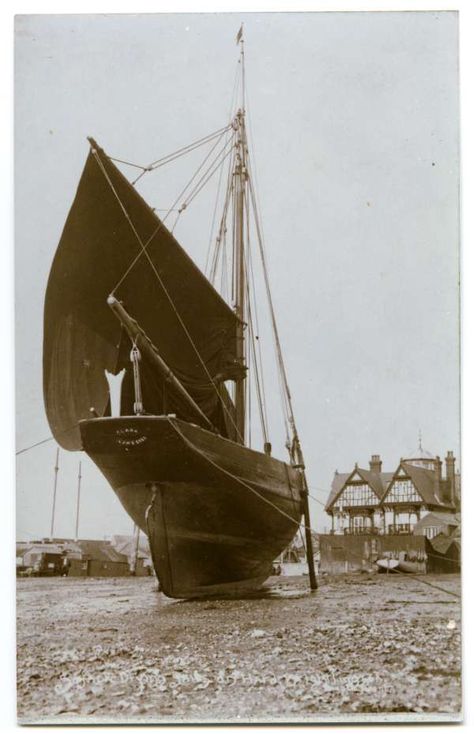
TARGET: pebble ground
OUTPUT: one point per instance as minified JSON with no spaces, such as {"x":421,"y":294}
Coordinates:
{"x":116,"y":650}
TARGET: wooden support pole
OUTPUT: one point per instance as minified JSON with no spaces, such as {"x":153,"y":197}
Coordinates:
{"x":309,"y":541}
{"x":78,"y":503}
{"x":136,"y":545}
{"x":53,"y":509}
{"x":307,"y":519}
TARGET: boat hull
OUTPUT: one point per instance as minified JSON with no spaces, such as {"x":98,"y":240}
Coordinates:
{"x":216,"y":513}
{"x":387,"y":565}
{"x":412,"y":566}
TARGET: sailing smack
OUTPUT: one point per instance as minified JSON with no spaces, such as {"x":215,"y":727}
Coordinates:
{"x":146,"y":370}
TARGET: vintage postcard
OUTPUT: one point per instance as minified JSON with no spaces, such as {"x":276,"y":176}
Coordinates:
{"x":237,"y":368}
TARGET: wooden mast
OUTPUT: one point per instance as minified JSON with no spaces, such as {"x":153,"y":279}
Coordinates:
{"x":241,"y":182}
{"x":240,"y":177}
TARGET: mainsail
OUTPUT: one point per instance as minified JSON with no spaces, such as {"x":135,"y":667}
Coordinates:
{"x":193,"y":328}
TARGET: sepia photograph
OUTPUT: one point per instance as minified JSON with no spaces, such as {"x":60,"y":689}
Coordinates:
{"x":237,"y":339}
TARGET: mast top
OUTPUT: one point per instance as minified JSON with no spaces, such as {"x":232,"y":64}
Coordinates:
{"x":240,"y":35}
{"x":240,"y":39}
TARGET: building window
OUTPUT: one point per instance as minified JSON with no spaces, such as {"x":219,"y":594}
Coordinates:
{"x":358,"y":523}
{"x":401,"y":528}
{"x":431,"y":532}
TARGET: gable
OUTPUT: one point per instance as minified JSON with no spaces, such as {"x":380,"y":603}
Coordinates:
{"x":357,"y":495}
{"x":337,"y":484}
{"x":402,"y":489}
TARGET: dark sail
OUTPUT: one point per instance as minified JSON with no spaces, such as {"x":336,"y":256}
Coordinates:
{"x":82,"y":337}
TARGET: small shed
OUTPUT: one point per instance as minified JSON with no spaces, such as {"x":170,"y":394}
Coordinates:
{"x":127,"y":545}
{"x":436,"y":523}
{"x":96,"y":558}
{"x":444,"y":554}
{"x":41,"y":559}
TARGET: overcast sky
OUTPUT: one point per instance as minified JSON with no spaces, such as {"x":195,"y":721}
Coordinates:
{"x":354,"y":120}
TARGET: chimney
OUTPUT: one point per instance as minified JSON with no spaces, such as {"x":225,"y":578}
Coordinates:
{"x":375,"y":464}
{"x":437,"y":482}
{"x":451,"y":476}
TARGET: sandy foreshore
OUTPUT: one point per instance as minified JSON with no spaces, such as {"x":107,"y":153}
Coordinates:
{"x":109,"y":650}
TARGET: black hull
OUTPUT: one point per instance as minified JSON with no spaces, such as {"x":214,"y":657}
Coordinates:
{"x":216,"y":513}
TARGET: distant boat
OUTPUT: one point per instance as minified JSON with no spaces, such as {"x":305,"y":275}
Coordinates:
{"x":164,"y":425}
{"x":387,"y":564}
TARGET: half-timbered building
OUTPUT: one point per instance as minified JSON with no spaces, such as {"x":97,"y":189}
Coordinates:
{"x":370,"y":501}
{"x":354,"y":503}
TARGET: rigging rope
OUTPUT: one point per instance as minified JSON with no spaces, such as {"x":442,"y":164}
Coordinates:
{"x":45,"y":440}
{"x":221,"y":236}
{"x":128,"y":163}
{"x":197,"y":143}
{"x":253,"y":312}
{"x":161,"y":224}
{"x":214,"y":213}
{"x":177,"y":154}
{"x":282,"y":371}
{"x":282,"y":378}
{"x":207,"y":175}
{"x":33,"y":445}
{"x":253,"y":355}
{"x":230,"y":117}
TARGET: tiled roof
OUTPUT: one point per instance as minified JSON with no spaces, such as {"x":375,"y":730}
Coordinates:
{"x":45,"y":548}
{"x":439,"y":518}
{"x":378,"y":481}
{"x":100,"y":550}
{"x":424,"y":481}
{"x":337,"y":484}
{"x":442,"y":543}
